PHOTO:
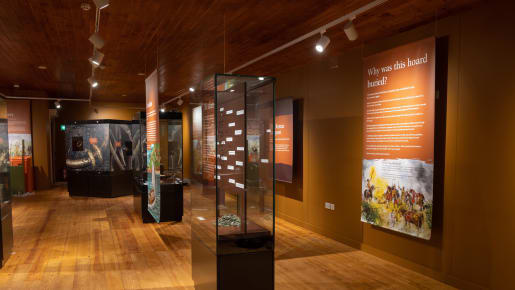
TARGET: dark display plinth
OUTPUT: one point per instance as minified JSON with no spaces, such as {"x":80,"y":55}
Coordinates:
{"x":99,"y":183}
{"x":240,"y":257}
{"x":7,"y":231}
{"x":171,"y":201}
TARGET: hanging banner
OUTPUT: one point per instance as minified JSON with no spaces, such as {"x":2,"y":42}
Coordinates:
{"x":153,"y":148}
{"x":284,"y":140}
{"x":398,"y":141}
{"x":20,"y":145}
{"x":20,"y":133}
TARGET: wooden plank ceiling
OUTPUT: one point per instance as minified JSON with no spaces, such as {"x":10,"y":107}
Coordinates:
{"x":188,"y":40}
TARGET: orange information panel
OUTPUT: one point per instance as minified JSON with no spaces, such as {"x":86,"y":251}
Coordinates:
{"x":153,"y":148}
{"x":284,"y":140}
{"x":398,"y":138}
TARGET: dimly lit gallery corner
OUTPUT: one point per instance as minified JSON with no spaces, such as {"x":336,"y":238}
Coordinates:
{"x":257,"y":144}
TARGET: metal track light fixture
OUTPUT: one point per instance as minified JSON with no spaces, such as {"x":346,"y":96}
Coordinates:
{"x":96,"y":59}
{"x":92,"y":82}
{"x":322,"y":43}
{"x":350,"y":30}
{"x":96,"y":40}
{"x":101,"y":4}
{"x":98,"y":43}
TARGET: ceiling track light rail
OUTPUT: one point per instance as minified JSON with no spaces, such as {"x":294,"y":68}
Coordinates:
{"x":349,"y":16}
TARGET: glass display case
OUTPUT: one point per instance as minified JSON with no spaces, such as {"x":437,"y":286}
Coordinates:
{"x":100,"y":156}
{"x":233,"y":230}
{"x":171,"y":180}
{"x":6,"y":232}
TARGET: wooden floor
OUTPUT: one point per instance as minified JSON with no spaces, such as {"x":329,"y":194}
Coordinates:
{"x":90,"y":243}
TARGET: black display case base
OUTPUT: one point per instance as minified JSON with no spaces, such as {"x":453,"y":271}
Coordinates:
{"x":99,"y":183}
{"x":242,"y":262}
{"x":172,"y":207}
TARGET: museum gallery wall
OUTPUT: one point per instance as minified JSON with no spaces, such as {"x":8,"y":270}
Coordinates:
{"x":471,"y":226}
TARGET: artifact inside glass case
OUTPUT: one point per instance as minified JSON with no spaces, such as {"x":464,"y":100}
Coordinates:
{"x":240,"y":233}
{"x":100,"y":155}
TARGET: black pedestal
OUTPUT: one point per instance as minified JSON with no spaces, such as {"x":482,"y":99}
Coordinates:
{"x":99,"y":183}
{"x":172,"y":207}
{"x":6,"y":233}
{"x":241,"y":262}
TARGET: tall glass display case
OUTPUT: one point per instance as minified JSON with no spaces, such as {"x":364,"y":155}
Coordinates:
{"x":239,"y":242}
{"x":6,"y":225}
{"x":171,"y":181}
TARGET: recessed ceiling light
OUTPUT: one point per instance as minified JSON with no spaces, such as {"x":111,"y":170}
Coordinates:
{"x":42,"y":67}
{"x":141,"y":74}
{"x":162,"y":110}
{"x":16,"y":85}
{"x":261,"y":78}
{"x":192,"y":89}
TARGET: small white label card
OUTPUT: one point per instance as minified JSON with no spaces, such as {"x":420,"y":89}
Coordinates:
{"x":239,"y":163}
{"x":268,"y":130}
{"x":240,"y":112}
{"x":230,"y":167}
{"x":224,"y":157}
{"x":231,"y":180}
{"x":228,"y":139}
{"x":221,"y":109}
{"x":237,"y":132}
{"x":223,"y":142}
{"x":228,"y":112}
{"x":240,"y":185}
{"x":240,"y":148}
{"x":219,"y":166}
{"x":232,"y":124}
{"x":264,"y":160}
{"x":232,"y":152}
{"x":218,"y":155}
{"x":218,"y":177}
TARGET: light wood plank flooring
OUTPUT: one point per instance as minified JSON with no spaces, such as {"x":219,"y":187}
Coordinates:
{"x":90,"y":243}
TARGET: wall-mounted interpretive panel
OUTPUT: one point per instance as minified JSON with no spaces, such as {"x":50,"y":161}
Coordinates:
{"x":284,"y":140}
{"x":398,"y":138}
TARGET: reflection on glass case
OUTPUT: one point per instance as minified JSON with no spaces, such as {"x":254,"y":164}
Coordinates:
{"x":240,"y":233}
{"x":6,"y":224}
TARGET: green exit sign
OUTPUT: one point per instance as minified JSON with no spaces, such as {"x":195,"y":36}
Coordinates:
{"x":63,"y":127}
